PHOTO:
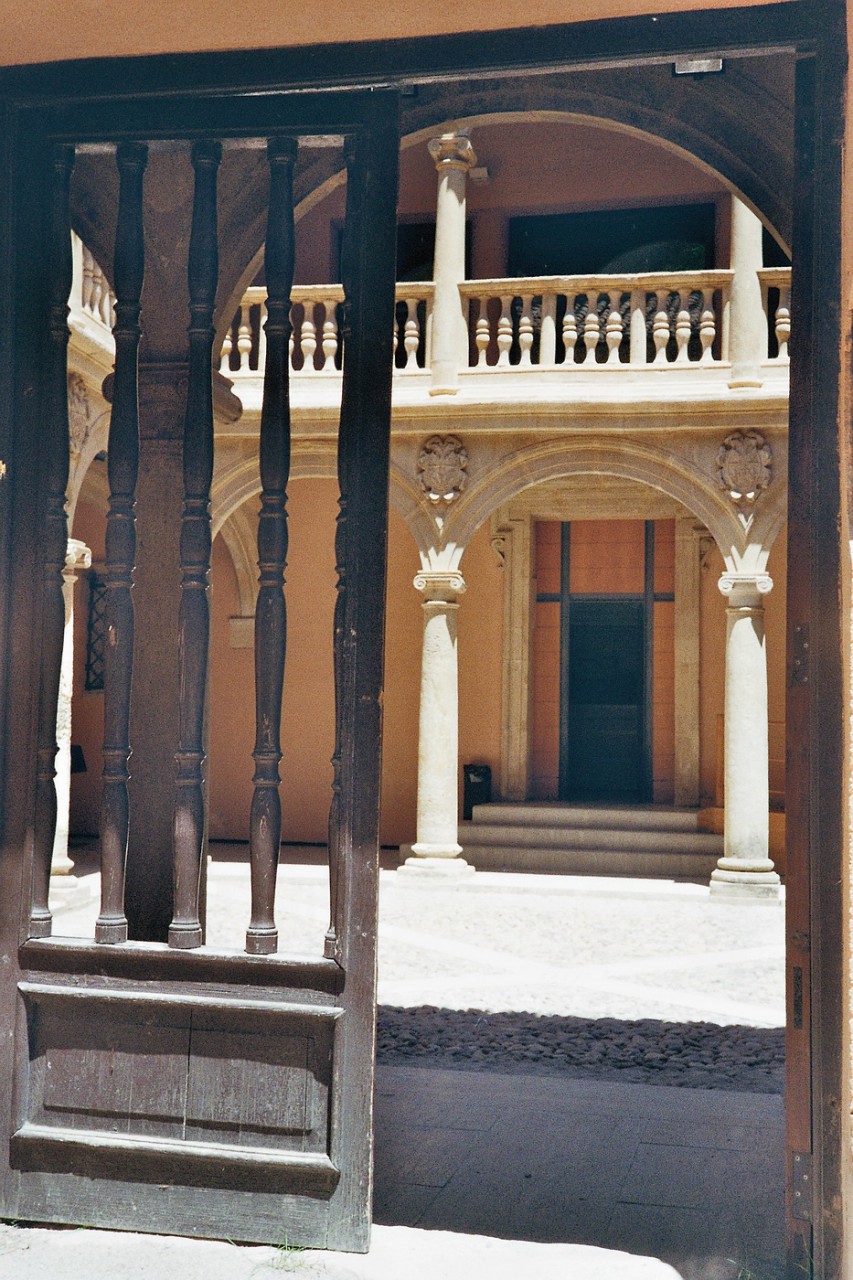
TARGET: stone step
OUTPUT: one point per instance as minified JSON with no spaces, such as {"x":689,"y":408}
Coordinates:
{"x":591,"y":861}
{"x":619,"y":839}
{"x":554,"y":814}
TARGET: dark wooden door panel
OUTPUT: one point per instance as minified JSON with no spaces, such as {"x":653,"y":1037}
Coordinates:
{"x":160,"y":1085}
{"x":606,"y":700}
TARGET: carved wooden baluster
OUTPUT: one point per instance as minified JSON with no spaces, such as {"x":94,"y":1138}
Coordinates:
{"x":570,"y":330}
{"x":54,"y":537}
{"x":360,"y":544}
{"x":660,"y":329}
{"x":683,"y":328}
{"x":194,"y":613}
{"x":505,"y":330}
{"x":330,"y":334}
{"x":123,"y":467}
{"x":707,"y":326}
{"x":270,"y":614}
{"x":262,"y":338}
{"x":411,"y":334}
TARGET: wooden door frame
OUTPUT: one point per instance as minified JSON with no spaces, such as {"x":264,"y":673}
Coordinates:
{"x":816,"y":31}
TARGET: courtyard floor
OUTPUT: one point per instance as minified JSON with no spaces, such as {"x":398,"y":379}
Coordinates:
{"x":579,"y":1121}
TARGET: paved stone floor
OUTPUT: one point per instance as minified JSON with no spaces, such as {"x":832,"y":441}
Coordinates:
{"x":522,"y":1172}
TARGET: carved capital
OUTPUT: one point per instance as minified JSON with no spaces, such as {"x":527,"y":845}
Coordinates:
{"x":744,"y":590}
{"x":452,"y":151}
{"x":440,"y":586}
{"x":743,"y":467}
{"x":442,"y":468}
{"x":77,"y":556}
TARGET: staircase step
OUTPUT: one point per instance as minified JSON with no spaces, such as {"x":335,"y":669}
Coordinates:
{"x":554,"y":814}
{"x":619,"y":840}
{"x":591,"y":861}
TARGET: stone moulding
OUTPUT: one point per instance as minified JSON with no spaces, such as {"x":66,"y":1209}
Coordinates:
{"x":442,"y":468}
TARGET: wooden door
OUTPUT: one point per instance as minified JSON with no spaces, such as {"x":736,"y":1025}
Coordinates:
{"x":606,"y":700}
{"x":161,"y":1085}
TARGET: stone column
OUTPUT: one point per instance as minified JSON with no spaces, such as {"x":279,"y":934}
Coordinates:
{"x":747,"y":322}
{"x":745,"y":870}
{"x":687,"y":654}
{"x":454,"y":156}
{"x":436,"y":850}
{"x":78,"y":556}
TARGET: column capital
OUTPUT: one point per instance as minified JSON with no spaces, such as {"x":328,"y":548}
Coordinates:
{"x":452,"y":151}
{"x":745,"y":589}
{"x":77,"y":556}
{"x":440,"y":585}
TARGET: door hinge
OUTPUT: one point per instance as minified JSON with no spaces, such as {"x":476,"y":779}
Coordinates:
{"x":800,"y":655}
{"x":801,"y":1185}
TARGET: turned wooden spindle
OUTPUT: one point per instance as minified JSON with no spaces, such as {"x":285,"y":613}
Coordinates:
{"x":123,"y":468}
{"x":270,"y":613}
{"x":360,"y":543}
{"x":54,"y":533}
{"x":194,"y":613}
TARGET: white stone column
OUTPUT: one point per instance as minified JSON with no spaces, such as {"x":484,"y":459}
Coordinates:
{"x":748,"y":324}
{"x":454,"y":156}
{"x":436,"y":850}
{"x":77,"y":556}
{"x":687,"y":658}
{"x":746,"y":870}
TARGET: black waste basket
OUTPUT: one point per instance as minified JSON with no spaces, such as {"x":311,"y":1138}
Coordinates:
{"x":476,"y":787}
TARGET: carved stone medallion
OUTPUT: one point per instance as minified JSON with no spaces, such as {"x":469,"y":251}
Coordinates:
{"x":442,"y":468}
{"x":79,"y":413}
{"x":743,"y":466}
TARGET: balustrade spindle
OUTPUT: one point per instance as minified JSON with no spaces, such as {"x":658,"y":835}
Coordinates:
{"x":411,"y":334}
{"x":525,"y":330}
{"x":707,"y":327}
{"x":570,"y":330}
{"x":505,"y":331}
{"x":123,"y":468}
{"x":683,"y":329}
{"x":482,"y":334}
{"x":639,"y":351}
{"x":54,"y":537}
{"x":88,"y":279}
{"x":660,"y":330}
{"x":548,"y":331}
{"x":782,"y":325}
{"x":244,"y":339}
{"x":194,"y":614}
{"x":591,"y":330}
{"x":613,"y":332}
{"x":330,"y":334}
{"x":262,"y":338}
{"x":308,"y":339}
{"x":227,"y":348}
{"x":271,"y":613}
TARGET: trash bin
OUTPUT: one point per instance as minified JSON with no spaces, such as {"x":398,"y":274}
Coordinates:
{"x":476,"y":787}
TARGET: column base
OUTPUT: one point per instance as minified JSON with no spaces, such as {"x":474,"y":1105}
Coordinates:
{"x":447,"y":868}
{"x":745,"y":881}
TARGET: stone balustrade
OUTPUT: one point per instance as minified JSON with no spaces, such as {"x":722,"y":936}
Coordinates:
{"x":92,"y":299}
{"x":577,"y":324}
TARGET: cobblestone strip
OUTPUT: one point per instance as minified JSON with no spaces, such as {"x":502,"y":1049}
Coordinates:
{"x":695,"y":1055}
